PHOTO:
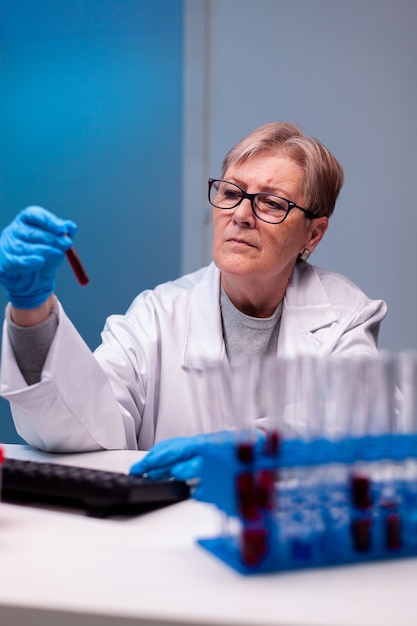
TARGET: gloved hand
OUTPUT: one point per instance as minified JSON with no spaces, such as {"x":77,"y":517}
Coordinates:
{"x":32,"y":248}
{"x":180,"y":457}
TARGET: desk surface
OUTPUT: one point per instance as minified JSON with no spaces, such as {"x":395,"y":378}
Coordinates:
{"x":62,"y":568}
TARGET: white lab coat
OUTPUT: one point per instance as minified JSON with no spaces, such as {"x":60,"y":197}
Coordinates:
{"x":138,"y":386}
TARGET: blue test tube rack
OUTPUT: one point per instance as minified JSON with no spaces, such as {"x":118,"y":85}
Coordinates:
{"x":296,"y":504}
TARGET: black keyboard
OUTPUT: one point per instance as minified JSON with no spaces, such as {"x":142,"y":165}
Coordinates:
{"x":100,"y":493}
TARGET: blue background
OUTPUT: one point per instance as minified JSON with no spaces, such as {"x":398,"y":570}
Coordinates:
{"x":91,"y":129}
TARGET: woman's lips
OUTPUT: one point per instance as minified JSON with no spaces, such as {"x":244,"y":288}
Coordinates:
{"x":240,"y":242}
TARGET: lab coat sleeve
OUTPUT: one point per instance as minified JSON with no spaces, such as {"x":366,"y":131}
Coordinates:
{"x":73,"y":407}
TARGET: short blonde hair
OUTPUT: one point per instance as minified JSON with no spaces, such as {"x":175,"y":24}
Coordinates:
{"x":323,"y":174}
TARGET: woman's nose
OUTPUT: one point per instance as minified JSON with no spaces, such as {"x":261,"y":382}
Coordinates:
{"x":243,"y":213}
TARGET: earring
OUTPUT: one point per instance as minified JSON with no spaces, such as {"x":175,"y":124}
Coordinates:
{"x":304,"y":255}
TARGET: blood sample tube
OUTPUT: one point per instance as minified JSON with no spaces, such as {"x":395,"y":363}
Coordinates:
{"x":272,"y":443}
{"x":77,"y":266}
{"x":361,"y":532}
{"x":362,"y":522}
{"x":393,"y":531}
{"x":254,"y":545}
{"x":361,"y":491}
{"x":245,"y":451}
{"x":266,"y":489}
{"x":246,"y":493}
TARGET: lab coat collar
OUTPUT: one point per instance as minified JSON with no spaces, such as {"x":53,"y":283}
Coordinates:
{"x":306,"y":308}
{"x":307,"y":300}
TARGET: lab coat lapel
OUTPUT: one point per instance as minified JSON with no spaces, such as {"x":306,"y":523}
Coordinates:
{"x":306,"y":309}
{"x":203,"y":334}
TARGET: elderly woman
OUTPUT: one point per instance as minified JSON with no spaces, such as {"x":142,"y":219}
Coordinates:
{"x":271,"y":208}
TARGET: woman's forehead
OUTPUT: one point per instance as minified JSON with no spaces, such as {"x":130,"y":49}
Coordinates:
{"x":267,"y":171}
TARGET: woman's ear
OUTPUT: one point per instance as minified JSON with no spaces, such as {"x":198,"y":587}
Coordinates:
{"x":318,"y":228}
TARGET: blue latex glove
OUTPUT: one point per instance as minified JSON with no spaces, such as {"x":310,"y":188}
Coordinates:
{"x":32,"y":248}
{"x":180,"y":457}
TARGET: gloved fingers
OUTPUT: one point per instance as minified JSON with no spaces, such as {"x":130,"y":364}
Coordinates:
{"x":45,"y":220}
{"x":162,"y":473}
{"x":173,"y":452}
{"x":14,"y":264}
{"x":34,"y":259}
{"x":26,"y":245}
{"x":30,"y":237}
{"x":166,"y":454}
{"x":147,"y":466}
{"x":137,"y":469}
{"x":23,"y":237}
{"x":32,"y":248}
{"x":152,"y":464}
{"x":188,"y":470}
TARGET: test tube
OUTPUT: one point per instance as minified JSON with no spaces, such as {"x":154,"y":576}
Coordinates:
{"x":77,"y":266}
{"x":245,"y":393}
{"x":254,"y":544}
{"x":406,"y":396}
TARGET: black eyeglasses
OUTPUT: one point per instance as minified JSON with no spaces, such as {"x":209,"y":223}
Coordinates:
{"x":266,"y":206}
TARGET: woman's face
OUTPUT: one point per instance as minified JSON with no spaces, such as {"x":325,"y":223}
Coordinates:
{"x":245,"y":246}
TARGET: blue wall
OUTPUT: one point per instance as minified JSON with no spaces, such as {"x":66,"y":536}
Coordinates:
{"x":91,"y":128}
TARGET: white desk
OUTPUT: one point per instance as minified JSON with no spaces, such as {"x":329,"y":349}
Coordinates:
{"x":64,"y":569}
